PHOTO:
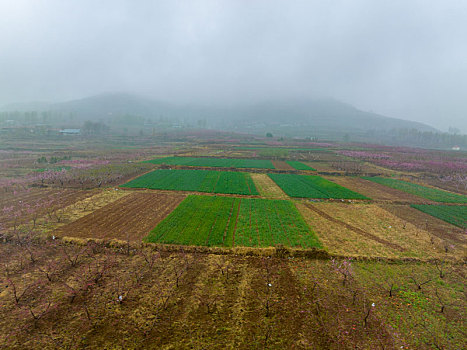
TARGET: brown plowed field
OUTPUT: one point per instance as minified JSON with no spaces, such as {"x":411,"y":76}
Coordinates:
{"x":376,"y":191}
{"x":323,"y":166}
{"x":281,"y":165}
{"x":131,"y":217}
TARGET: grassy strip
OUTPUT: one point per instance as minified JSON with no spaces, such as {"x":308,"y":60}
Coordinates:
{"x":299,"y":165}
{"x":432,"y":194}
{"x":453,"y":214}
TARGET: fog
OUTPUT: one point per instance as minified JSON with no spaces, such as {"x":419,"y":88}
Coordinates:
{"x":405,"y":59}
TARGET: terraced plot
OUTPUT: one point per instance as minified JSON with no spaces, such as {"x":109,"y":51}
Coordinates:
{"x":215,"y":162}
{"x":312,"y":186}
{"x":229,"y":222}
{"x":197,"y":181}
{"x":454,"y":214}
{"x":299,"y":165}
{"x":432,"y":194}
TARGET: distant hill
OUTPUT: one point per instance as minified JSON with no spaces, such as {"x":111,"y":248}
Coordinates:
{"x":291,"y":117}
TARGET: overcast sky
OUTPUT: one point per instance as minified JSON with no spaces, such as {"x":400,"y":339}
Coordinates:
{"x":405,"y":59}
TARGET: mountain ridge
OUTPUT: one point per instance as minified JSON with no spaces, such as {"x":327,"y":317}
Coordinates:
{"x":318,"y":113}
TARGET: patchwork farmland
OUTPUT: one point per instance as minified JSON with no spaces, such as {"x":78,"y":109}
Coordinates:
{"x":197,"y":181}
{"x":270,"y":254}
{"x":230,"y":222}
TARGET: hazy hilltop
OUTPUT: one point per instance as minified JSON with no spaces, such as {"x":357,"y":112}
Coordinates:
{"x":316,"y":115}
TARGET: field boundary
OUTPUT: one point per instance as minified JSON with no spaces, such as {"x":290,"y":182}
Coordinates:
{"x":281,"y":252}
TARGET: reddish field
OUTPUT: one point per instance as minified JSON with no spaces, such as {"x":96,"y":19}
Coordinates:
{"x":281,"y":165}
{"x":131,"y":217}
{"x":36,"y":202}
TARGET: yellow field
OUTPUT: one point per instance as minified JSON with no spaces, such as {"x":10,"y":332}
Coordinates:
{"x":267,"y":188}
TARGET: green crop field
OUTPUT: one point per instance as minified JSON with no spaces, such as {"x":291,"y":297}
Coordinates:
{"x":290,"y":149}
{"x":454,"y":214}
{"x":299,"y":165}
{"x":312,"y":186}
{"x":214,"y":162}
{"x":231,"y":222}
{"x":196,"y":180}
{"x":432,"y":194}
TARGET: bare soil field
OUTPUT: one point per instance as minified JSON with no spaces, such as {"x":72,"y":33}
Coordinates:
{"x":376,"y":191}
{"x":323,"y":166}
{"x":369,"y":230}
{"x":282,"y":165}
{"x":267,"y":188}
{"x":130,"y":217}
{"x":79,"y":209}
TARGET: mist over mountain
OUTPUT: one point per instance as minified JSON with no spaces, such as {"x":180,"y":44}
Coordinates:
{"x":293,"y":116}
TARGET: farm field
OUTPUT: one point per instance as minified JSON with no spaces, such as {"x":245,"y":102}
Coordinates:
{"x":429,"y":193}
{"x":282,"y":165}
{"x":323,"y":166}
{"x":299,"y":165}
{"x":233,"y":300}
{"x":369,"y":230}
{"x":287,"y":148}
{"x":231,"y":222}
{"x":128,"y":218}
{"x":268,"y":188}
{"x":196,"y":180}
{"x":454,"y":214}
{"x":312,"y":186}
{"x":214,"y":162}
{"x":375,"y":191}
{"x":92,"y":265}
{"x":34,"y":203}
{"x":450,"y":234}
